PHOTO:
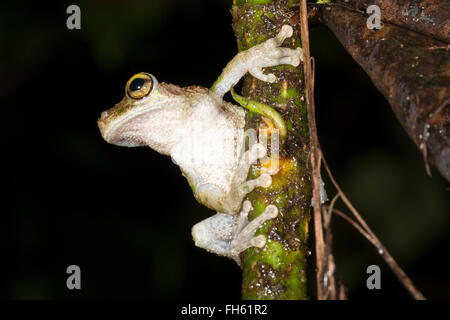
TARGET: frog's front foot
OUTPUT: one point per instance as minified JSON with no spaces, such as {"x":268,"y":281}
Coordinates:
{"x":266,"y":54}
{"x":241,"y":186}
{"x":257,"y":151}
{"x":244,"y":231}
{"x":269,"y":54}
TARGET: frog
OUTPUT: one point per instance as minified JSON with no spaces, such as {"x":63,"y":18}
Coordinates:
{"x":204,"y":135}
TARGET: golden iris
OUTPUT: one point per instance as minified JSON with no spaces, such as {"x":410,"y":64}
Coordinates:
{"x":139,"y":85}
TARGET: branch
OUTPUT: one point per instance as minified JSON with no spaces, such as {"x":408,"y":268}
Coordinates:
{"x":277,"y":271}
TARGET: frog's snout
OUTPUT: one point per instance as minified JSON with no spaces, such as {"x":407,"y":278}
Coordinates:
{"x":102,"y":121}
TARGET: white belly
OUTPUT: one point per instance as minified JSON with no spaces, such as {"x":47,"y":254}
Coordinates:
{"x":210,"y":149}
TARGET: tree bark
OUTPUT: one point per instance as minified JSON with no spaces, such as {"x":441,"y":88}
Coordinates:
{"x":411,"y":70}
{"x":278,"y":271}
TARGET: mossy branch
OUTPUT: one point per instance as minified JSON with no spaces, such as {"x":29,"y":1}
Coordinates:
{"x":278,"y":271}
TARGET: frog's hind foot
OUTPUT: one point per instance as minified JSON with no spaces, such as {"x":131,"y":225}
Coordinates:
{"x":244,"y":231}
{"x":230,"y":235}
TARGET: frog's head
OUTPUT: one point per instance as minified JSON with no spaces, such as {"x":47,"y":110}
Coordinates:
{"x":128,"y":121}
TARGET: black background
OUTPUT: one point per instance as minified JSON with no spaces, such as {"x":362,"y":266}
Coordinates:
{"x":124,"y":215}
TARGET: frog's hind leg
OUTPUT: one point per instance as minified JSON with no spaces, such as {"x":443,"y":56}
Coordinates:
{"x":213,"y":197}
{"x":214,"y":234}
{"x":229,"y":235}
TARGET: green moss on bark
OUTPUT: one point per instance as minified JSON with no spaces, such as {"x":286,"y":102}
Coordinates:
{"x":278,"y":271}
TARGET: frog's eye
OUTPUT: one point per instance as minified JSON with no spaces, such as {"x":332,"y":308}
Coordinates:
{"x":139,"y":85}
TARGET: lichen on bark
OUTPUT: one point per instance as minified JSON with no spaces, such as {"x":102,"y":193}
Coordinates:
{"x":278,"y":271}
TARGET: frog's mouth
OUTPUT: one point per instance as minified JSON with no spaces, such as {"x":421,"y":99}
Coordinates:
{"x":122,"y":132}
{"x":130,"y":129}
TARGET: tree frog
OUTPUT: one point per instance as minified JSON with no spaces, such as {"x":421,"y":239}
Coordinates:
{"x":205,"y":137}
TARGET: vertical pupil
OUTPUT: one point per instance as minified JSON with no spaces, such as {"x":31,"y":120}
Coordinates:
{"x":137,"y":84}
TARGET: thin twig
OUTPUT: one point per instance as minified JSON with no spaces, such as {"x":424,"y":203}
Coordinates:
{"x":315,"y":156}
{"x":329,"y":279}
{"x":370,"y":235}
{"x":352,"y":222}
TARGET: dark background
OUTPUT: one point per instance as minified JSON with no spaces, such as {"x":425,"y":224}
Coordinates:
{"x":124,"y":215}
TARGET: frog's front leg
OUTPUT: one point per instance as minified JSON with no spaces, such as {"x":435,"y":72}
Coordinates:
{"x":241,"y":186}
{"x":266,"y":54}
{"x":229,"y":235}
